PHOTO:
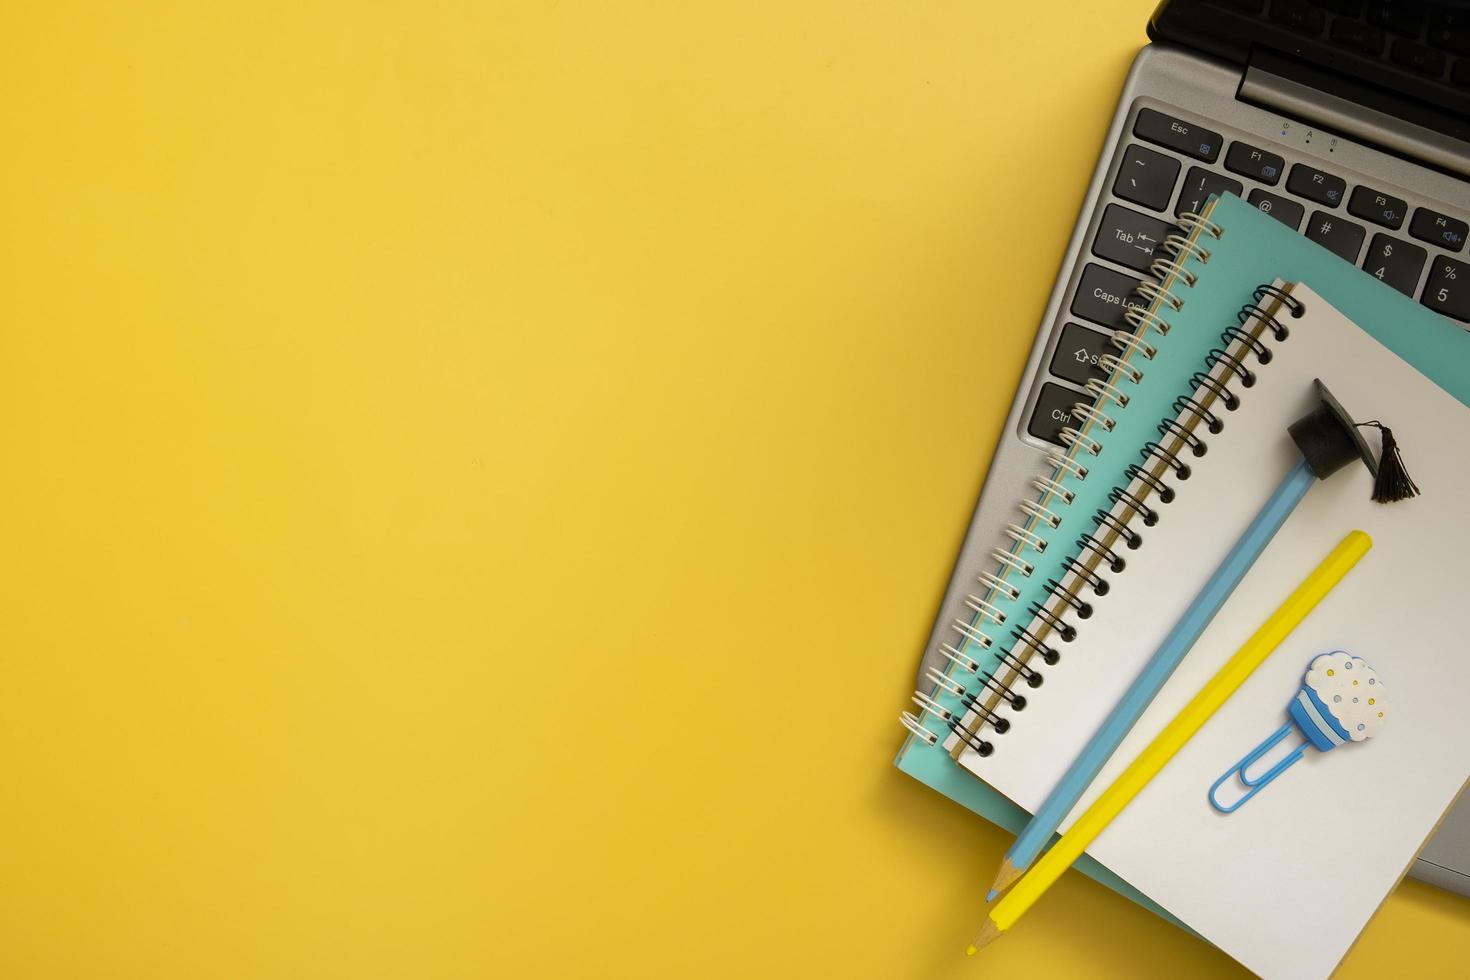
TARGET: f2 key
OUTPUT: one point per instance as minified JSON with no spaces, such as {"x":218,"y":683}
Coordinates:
{"x":1316,"y":185}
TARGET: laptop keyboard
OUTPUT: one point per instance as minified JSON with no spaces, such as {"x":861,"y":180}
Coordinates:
{"x":1416,"y":250}
{"x":1429,"y":40}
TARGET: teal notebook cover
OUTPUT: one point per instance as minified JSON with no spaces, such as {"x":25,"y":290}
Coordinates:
{"x":1254,"y":249}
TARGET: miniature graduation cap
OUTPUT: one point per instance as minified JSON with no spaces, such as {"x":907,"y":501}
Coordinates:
{"x":1329,"y":439}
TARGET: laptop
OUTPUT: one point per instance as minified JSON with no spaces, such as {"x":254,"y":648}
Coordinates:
{"x":1346,"y":120}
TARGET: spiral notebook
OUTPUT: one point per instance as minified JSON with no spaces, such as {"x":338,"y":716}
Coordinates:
{"x":1197,"y":298}
{"x":1286,"y":884}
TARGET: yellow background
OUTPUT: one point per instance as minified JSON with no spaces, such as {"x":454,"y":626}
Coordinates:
{"x":477,"y":478}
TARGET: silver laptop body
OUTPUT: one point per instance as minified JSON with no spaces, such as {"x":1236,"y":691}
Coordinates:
{"x":1387,"y":169}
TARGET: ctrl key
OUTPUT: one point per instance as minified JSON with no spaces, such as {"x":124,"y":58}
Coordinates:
{"x":1053,"y":411}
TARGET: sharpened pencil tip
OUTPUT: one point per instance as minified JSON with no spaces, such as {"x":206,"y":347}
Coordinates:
{"x":989,"y":933}
{"x":1005,"y":877}
{"x":990,"y":895}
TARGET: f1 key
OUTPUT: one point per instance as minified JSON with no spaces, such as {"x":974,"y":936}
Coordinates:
{"x":1261,"y":165}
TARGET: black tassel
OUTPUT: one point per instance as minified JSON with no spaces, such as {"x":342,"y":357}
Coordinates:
{"x":1392,"y":481}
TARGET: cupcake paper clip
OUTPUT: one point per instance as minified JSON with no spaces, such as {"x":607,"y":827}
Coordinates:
{"x":1341,"y":700}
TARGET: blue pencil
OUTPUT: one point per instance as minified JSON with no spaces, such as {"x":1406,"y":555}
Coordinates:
{"x":1033,"y":839}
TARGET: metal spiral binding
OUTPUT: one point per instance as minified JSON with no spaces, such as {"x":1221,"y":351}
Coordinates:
{"x":1228,"y":398}
{"x":1070,"y":598}
{"x":1008,"y":560}
{"x":969,"y":632}
{"x":992,"y":690}
{"x":1098,"y":584}
{"x":1171,"y":427}
{"x":1237,"y":367}
{"x":1129,"y":343}
{"x":1117,"y":365}
{"x":1064,"y":629}
{"x":1116,"y":564}
{"x":1100,"y":389}
{"x":1212,"y":421}
{"x":1295,"y":306}
{"x":1163,"y":490}
{"x":1152,"y":450}
{"x":998,"y":584}
{"x":981,"y":702}
{"x":1091,"y":413}
{"x":1193,"y":414}
{"x":985,"y":610}
{"x":1121,"y":497}
{"x":1073,"y":439}
{"x":1045,"y":515}
{"x":1105,"y":520}
{"x":932,"y":706}
{"x":1232,"y":335}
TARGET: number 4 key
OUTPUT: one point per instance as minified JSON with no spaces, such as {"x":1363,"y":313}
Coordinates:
{"x":1395,"y":262}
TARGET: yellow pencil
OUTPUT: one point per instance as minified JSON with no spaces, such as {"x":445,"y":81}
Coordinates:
{"x":1133,"y":779}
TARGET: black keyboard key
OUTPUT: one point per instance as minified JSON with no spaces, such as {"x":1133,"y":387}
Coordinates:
{"x":1398,"y":16}
{"x":1416,"y":57}
{"x":1357,"y":35}
{"x":1078,"y":352}
{"x":1440,"y":229}
{"x":1103,"y":294}
{"x":1338,"y":235}
{"x":1396,"y":262}
{"x":1377,"y":207}
{"x":1146,"y":177}
{"x":1262,"y":165}
{"x":1348,"y":8}
{"x":1460,"y":73}
{"x":1129,"y":238}
{"x":1316,"y":185}
{"x":1199,"y":184}
{"x":1176,"y":134}
{"x":1298,"y":15}
{"x":1249,"y":6}
{"x":1053,"y":412}
{"x":1447,"y":290}
{"x":1283,"y":209}
{"x":1450,"y":29}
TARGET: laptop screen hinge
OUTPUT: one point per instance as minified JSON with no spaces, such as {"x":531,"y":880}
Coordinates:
{"x":1281,"y":86}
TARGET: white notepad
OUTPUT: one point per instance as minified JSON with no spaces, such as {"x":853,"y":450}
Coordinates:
{"x":1285,"y":884}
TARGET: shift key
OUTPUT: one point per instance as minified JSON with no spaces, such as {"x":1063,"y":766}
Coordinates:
{"x":1103,"y":295}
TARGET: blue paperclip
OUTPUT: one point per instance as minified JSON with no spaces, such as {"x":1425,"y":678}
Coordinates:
{"x":1341,"y":700}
